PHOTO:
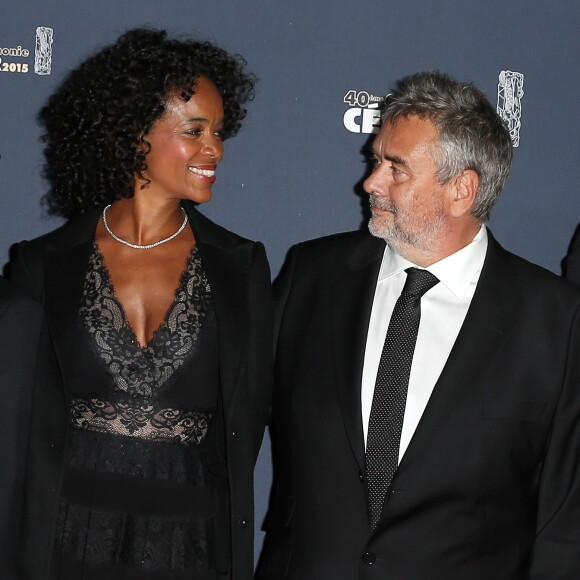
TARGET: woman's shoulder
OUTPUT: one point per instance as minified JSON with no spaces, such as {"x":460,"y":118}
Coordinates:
{"x":208,"y":232}
{"x":31,"y":259}
{"x":77,"y":230}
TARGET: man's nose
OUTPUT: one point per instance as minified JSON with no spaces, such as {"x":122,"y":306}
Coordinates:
{"x":376,"y":183}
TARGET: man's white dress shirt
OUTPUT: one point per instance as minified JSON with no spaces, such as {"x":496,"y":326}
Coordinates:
{"x":443,"y":310}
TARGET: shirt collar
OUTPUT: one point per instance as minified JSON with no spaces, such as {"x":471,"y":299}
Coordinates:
{"x":455,"y":272}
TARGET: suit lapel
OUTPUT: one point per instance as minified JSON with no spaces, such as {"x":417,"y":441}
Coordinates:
{"x":352,"y":303}
{"x":226,"y":262}
{"x":489,"y":320}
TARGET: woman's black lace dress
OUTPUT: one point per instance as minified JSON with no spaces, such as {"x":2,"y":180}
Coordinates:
{"x":144,"y":492}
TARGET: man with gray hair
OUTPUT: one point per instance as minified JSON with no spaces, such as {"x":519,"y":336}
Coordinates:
{"x":427,"y":397}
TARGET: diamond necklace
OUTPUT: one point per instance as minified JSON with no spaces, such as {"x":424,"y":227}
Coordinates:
{"x":148,"y":246}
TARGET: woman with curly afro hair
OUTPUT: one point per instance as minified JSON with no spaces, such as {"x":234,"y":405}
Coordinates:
{"x":153,"y":377}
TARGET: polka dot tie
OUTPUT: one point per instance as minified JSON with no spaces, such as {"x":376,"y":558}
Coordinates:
{"x":390,"y":395}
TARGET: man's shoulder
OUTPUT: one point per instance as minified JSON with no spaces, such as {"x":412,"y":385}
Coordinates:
{"x":532,"y":278}
{"x":333,"y":241}
{"x":339,"y":245}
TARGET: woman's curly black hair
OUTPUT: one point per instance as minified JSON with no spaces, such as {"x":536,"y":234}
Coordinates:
{"x":96,"y":123}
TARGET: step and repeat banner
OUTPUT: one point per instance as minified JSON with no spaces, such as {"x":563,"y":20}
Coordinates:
{"x":294,"y":172}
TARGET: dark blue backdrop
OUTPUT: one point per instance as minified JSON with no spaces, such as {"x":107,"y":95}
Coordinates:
{"x":292,"y":172}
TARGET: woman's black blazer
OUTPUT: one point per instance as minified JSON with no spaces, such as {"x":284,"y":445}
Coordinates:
{"x":52,"y":269}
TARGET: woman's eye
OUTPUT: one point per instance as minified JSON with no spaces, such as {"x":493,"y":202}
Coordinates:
{"x":194,"y":132}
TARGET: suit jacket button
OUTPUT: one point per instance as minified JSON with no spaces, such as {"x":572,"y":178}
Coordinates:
{"x":360,"y":476}
{"x":243,"y":522}
{"x":369,"y":558}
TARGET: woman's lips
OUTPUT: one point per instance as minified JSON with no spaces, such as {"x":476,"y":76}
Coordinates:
{"x":204,"y":172}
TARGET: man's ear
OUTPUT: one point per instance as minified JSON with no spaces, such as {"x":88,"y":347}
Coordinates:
{"x":463,"y":192}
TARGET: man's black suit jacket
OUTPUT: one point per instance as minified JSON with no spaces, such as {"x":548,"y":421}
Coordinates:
{"x":489,"y":487}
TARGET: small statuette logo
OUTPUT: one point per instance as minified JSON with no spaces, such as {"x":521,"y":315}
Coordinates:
{"x":510,"y":91}
{"x":43,"y":51}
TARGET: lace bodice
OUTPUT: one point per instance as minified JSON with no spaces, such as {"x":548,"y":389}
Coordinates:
{"x":135,"y":369}
{"x":141,"y":373}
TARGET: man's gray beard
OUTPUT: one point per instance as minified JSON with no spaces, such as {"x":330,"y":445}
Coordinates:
{"x":400,"y":241}
{"x":389,"y":232}
{"x":383,"y":230}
